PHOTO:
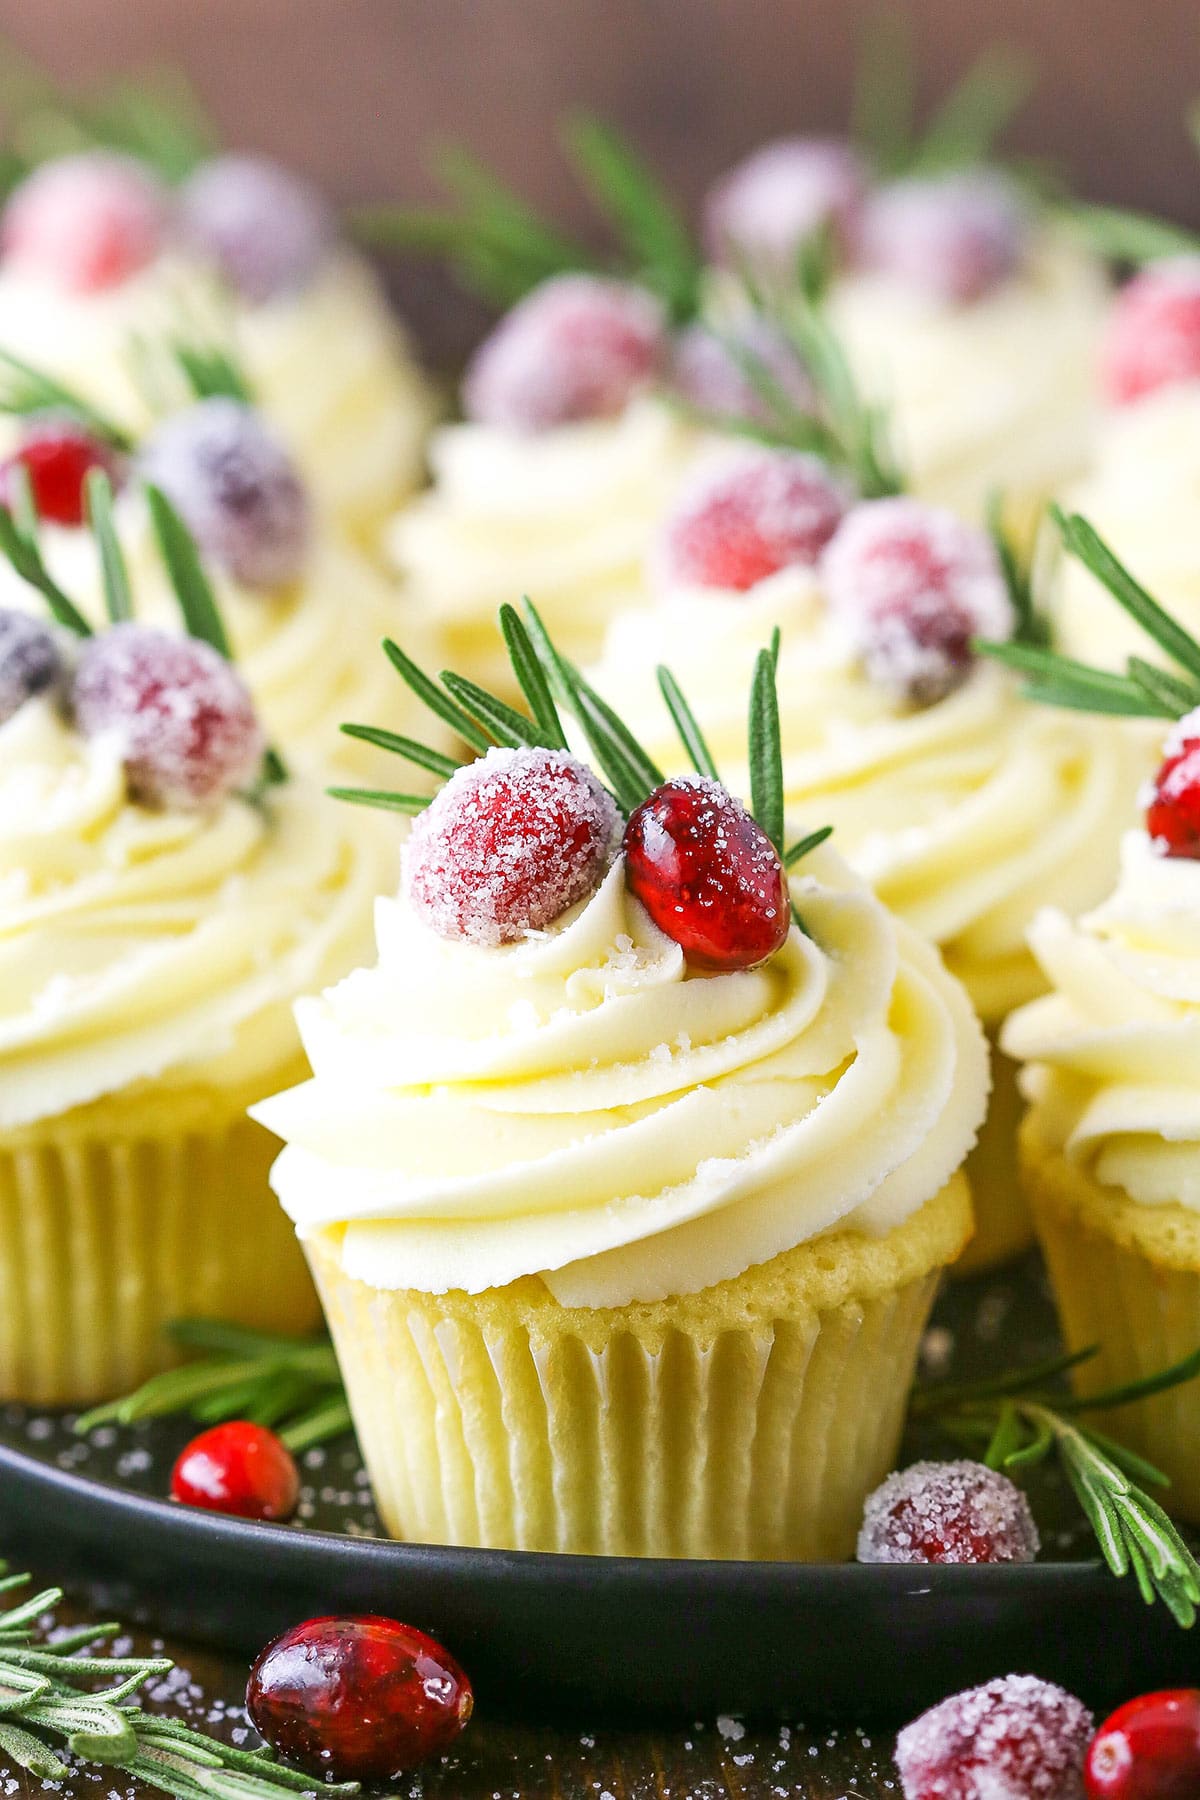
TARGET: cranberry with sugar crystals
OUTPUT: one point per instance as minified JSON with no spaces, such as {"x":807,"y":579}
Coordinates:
{"x":954,"y":237}
{"x":1018,"y":1737}
{"x":947,"y":1512}
{"x":1173,"y":799}
{"x":913,"y":585}
{"x":1153,"y":335}
{"x":1149,"y":1749}
{"x":357,"y":1699}
{"x":748,"y":516}
{"x":708,"y":875}
{"x":237,"y":1468}
{"x":58,"y":455}
{"x":180,"y":714}
{"x":578,"y":347}
{"x":86,"y":222}
{"x":762,"y":211}
{"x":508,"y":844}
{"x":265,"y":229}
{"x":714,"y":371}
{"x":30,"y":662}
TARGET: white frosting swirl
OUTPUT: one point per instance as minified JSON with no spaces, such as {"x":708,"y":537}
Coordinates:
{"x":1114,"y":1049}
{"x":581,"y":1106}
{"x":167,"y":947}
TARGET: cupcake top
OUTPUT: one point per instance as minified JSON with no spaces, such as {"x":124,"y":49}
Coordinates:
{"x":603,"y":1051}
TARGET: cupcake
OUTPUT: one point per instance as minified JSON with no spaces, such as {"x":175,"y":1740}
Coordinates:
{"x":164,"y":897}
{"x":963,"y":806}
{"x":625,"y":1190}
{"x":97,"y":254}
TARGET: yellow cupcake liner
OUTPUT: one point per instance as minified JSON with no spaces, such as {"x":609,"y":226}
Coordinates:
{"x":750,"y":1420}
{"x":116,"y":1218}
{"x":1003,"y":1224}
{"x":1125,"y":1277}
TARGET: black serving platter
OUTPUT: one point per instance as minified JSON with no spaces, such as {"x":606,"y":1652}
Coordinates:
{"x":601,"y":1633}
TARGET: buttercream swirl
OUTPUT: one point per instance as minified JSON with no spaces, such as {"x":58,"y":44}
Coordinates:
{"x":1113,"y":1051}
{"x":583,"y":1107}
{"x":141,"y":946}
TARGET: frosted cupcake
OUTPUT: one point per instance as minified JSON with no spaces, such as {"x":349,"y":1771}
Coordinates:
{"x":964,"y":807}
{"x":627,"y":1194}
{"x":97,"y":255}
{"x":163,"y":899}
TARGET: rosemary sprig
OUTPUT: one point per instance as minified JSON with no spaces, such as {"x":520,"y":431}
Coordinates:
{"x":1031,"y":627}
{"x":211,"y":371}
{"x":26,"y":391}
{"x":654,"y":238}
{"x":50,"y":1698}
{"x":1020,"y":1419}
{"x":292,"y":1385}
{"x":118,"y":599}
{"x":19,"y":543}
{"x":1126,"y":236}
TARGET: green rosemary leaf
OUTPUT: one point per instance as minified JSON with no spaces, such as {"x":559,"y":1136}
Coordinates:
{"x":1034,"y":1376}
{"x":22,"y":552}
{"x":407,"y":747}
{"x":1034,"y":1451}
{"x":330,"y":1420}
{"x":274,"y":769}
{"x":26,"y":390}
{"x":649,"y":226}
{"x":858,"y":427}
{"x":1085,"y":542}
{"x":766,"y":751}
{"x":1061,"y":681}
{"x":1007,"y":1438}
{"x":1172,"y":697}
{"x":1031,"y":628}
{"x":435,"y":698}
{"x":501,"y":721}
{"x":643,"y":767}
{"x":883,"y":108}
{"x":220,"y":1337}
{"x":686,"y":725}
{"x":118,"y":599}
{"x":1130,"y":237}
{"x":619,"y":771}
{"x":28,"y":1752}
{"x":622,"y":759}
{"x":154,"y":115}
{"x":177,"y":547}
{"x":1187,"y":1369}
{"x":383,"y":798}
{"x":531,"y":678}
{"x":816,"y":263}
{"x":965,"y":127}
{"x":212,"y":372}
{"x":799,"y":850}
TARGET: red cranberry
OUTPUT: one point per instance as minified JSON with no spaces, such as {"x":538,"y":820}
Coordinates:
{"x":30,"y":662}
{"x":237,"y":489}
{"x":912,"y":586}
{"x":755,"y":512}
{"x":578,"y":347}
{"x":266,"y":230}
{"x":238,"y":1468}
{"x":180,"y":713}
{"x":1153,"y":337}
{"x":951,"y":1512}
{"x":1173,"y":800}
{"x":357,"y":1699}
{"x":1148,"y":1750}
{"x":86,"y":222}
{"x":57,"y":455}
{"x":714,"y":371}
{"x":762,"y":212}
{"x":509,"y":844}
{"x":955,"y":237}
{"x":1017,"y":1738}
{"x":708,"y":875}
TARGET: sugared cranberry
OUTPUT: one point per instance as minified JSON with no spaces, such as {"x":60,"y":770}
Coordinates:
{"x":949,"y":1512}
{"x":237,"y":1468}
{"x":266,"y":230}
{"x":708,"y":875}
{"x":1153,"y":336}
{"x":180,"y":714}
{"x":912,"y":586}
{"x":509,"y":844}
{"x":754,"y":512}
{"x":29,"y":661}
{"x":1017,"y":1738}
{"x":236,"y":487}
{"x":1148,"y":1750}
{"x":1173,"y":800}
{"x":578,"y":347}
{"x":715,"y":371}
{"x":762,"y":212}
{"x":357,"y":1699}
{"x":955,"y":237}
{"x":58,"y":454}
{"x":86,"y":222}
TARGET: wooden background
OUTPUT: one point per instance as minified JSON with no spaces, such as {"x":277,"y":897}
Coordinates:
{"x":353,"y":89}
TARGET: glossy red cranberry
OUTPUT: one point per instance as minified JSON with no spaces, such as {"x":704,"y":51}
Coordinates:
{"x":358,"y":1699}
{"x":708,"y":875}
{"x":30,"y":661}
{"x":748,"y":516}
{"x":86,"y":222}
{"x":509,"y":844}
{"x":1173,"y":800}
{"x":763,"y":211}
{"x":1153,"y":337}
{"x":947,"y":1512}
{"x":578,"y":347}
{"x":237,"y":1468}
{"x":954,"y":237}
{"x":180,"y":715}
{"x":1017,"y":1738}
{"x":58,"y":455}
{"x":1149,"y":1749}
